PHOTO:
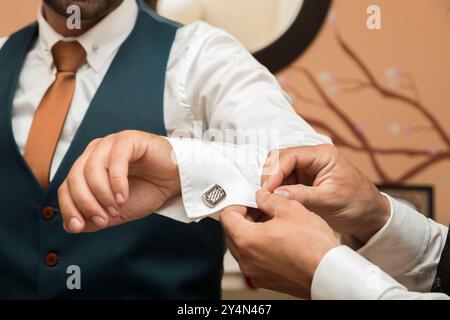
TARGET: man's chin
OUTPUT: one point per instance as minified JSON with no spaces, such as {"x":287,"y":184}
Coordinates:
{"x":90,"y":9}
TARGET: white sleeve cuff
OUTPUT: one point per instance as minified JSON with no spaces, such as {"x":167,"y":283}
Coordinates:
{"x":345,"y":275}
{"x":401,"y":243}
{"x":202,"y":165}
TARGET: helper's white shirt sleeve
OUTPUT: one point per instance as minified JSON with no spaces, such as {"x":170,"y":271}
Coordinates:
{"x":408,"y":249}
{"x":227,"y":97}
{"x":344,"y":274}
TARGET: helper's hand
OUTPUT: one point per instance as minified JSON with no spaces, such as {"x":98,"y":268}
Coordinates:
{"x":282,"y":253}
{"x":329,"y":185}
{"x":118,"y":179}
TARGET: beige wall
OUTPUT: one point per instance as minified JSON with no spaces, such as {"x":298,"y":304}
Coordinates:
{"x":16,"y":13}
{"x":415,"y":38}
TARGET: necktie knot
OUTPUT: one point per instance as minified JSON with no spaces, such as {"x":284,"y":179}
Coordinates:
{"x":68,"y":56}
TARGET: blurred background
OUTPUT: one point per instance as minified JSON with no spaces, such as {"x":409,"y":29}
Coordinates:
{"x":383,"y":95}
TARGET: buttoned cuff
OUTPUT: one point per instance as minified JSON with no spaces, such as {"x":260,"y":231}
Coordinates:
{"x":236,"y":169}
{"x":343,"y":274}
{"x":400,"y":244}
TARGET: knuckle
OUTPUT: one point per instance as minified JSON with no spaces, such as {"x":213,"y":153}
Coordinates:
{"x":292,"y":206}
{"x":297,"y":193}
{"x":71,"y":178}
{"x":278,"y":210}
{"x":94,"y":142}
{"x":112,"y":136}
{"x":126,"y":134}
{"x":284,"y":205}
{"x":89,"y":168}
{"x":265,"y":201}
{"x":115,"y":179}
{"x":86,"y":207}
{"x":114,"y":157}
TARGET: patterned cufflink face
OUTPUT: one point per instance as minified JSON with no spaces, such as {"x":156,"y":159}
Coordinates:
{"x":214,"y":196}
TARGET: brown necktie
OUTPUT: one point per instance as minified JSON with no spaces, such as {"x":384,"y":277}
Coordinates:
{"x":51,"y":114}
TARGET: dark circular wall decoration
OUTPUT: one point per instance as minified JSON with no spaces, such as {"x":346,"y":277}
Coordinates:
{"x":297,"y":38}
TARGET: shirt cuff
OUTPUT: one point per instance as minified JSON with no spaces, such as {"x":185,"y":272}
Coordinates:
{"x":343,"y":274}
{"x":237,"y":169}
{"x":401,"y":243}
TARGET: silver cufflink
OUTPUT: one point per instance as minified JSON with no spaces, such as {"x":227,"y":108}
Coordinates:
{"x":213,"y":196}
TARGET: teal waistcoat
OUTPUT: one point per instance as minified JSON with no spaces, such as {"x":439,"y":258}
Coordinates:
{"x":152,"y":258}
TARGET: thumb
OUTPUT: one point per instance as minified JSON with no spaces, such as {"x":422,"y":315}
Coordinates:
{"x":234,"y":222}
{"x":307,"y":196}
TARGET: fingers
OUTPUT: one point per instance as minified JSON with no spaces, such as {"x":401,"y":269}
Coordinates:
{"x":275,"y":205}
{"x":235,"y":223}
{"x":97,"y":177}
{"x":79,"y":208}
{"x":124,"y":151}
{"x":307,"y":196}
{"x":81,"y":195}
{"x":310,"y":160}
{"x":73,"y":220}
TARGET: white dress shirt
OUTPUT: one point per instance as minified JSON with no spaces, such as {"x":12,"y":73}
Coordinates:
{"x":399,"y":262}
{"x":211,"y":80}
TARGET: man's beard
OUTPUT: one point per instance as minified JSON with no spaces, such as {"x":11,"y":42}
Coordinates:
{"x":90,"y":9}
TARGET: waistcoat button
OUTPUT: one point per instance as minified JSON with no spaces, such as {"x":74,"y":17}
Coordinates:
{"x":48,"y":213}
{"x":51,"y":259}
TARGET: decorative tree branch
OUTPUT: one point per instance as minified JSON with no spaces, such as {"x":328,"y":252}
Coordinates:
{"x":348,"y":122}
{"x":350,"y":85}
{"x":340,"y":141}
{"x":392,"y":94}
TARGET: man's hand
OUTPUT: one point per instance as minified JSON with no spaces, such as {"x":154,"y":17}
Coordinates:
{"x":283,"y":253}
{"x":329,"y":185}
{"x":118,"y":179}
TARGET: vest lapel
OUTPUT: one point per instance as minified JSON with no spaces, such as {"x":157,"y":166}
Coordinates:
{"x":12,"y":57}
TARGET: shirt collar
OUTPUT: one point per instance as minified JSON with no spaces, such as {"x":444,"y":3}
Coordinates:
{"x":100,"y":42}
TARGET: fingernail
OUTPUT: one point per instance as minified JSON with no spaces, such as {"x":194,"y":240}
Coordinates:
{"x":99,"y":221}
{"x":120,"y":198}
{"x":113,"y":212}
{"x":75,"y":225}
{"x":283,"y":193}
